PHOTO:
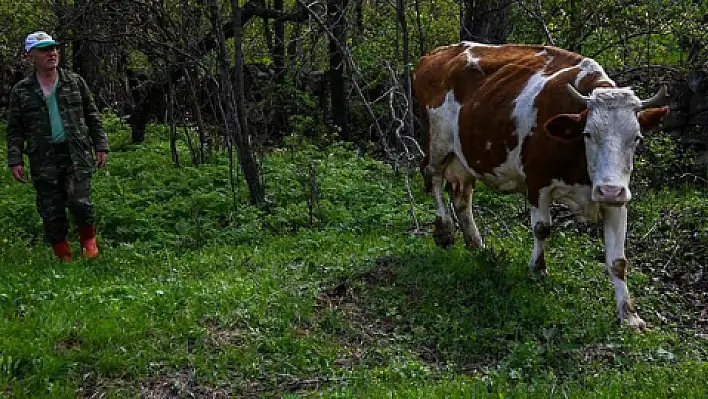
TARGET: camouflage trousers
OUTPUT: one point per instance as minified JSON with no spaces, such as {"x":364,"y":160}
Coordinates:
{"x":53,"y":197}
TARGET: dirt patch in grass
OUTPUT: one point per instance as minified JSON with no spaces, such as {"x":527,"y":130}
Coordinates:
{"x":218,"y":334}
{"x":363,"y":329}
{"x":178,"y":384}
{"x":368,"y":333}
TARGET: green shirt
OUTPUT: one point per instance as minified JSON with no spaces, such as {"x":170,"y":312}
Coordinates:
{"x":29,"y":126}
{"x":58,"y":134}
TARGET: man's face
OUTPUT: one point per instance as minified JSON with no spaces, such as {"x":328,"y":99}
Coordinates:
{"x":46,"y":58}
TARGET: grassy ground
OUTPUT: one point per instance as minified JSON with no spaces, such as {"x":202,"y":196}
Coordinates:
{"x":194,"y":296}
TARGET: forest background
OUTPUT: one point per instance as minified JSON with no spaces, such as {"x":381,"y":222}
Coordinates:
{"x":265,"y":231}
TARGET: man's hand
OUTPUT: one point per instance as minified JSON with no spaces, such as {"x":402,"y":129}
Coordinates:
{"x":18,"y":172}
{"x":101,"y":159}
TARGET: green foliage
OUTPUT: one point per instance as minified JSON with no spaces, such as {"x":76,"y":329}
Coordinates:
{"x":662,"y":162}
{"x":195,"y":296}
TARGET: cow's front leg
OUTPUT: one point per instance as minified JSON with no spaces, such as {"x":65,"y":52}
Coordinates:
{"x":444,"y":233}
{"x":541,"y":227}
{"x":615,"y":229}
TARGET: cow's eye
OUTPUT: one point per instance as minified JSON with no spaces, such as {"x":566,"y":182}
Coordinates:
{"x":638,"y":138}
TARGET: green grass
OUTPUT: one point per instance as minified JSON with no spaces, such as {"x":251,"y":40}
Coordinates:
{"x":196,"y":296}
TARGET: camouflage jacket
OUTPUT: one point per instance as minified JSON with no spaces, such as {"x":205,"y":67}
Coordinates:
{"x":29,"y":129}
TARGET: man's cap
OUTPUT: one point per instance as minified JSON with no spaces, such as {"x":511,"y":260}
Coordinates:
{"x":38,"y":39}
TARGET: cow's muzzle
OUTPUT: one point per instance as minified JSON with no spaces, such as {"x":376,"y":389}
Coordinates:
{"x":611,"y":195}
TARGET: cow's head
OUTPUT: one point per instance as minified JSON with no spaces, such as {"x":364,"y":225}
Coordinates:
{"x":612,"y":126}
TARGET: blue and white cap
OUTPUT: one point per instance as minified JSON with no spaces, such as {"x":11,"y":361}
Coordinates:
{"x":38,"y":39}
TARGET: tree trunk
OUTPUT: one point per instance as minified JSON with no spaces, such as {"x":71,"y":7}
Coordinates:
{"x":337,"y":23}
{"x":279,"y":45}
{"x":197,"y":113}
{"x":172,"y":120}
{"x":407,"y":86}
{"x":485,"y":21}
{"x":241,"y":131}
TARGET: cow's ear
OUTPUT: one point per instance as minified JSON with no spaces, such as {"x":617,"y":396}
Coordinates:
{"x":651,"y":117}
{"x":567,"y":127}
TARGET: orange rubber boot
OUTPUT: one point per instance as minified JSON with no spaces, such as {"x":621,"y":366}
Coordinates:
{"x":89,"y":249}
{"x":62,"y":251}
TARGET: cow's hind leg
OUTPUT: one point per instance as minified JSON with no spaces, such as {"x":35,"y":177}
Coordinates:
{"x":444,"y":233}
{"x":440,"y":132}
{"x":541,"y":227}
{"x":462,"y":187}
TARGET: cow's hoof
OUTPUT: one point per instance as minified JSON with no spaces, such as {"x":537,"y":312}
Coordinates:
{"x":443,"y":239}
{"x":538,"y":266}
{"x":474,"y":244}
{"x":444,"y":233}
{"x":636,"y":323}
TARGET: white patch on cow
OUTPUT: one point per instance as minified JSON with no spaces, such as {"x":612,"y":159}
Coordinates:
{"x":577,"y":198}
{"x":509,"y":176}
{"x":472,"y":59}
{"x":488,"y":146}
{"x":525,"y":113}
{"x":443,"y":128}
{"x":443,"y":131}
{"x":469,"y":43}
{"x":589,"y":66}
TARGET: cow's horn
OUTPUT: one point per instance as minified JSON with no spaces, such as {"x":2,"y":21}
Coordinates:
{"x":574,"y":93}
{"x":658,"y":97}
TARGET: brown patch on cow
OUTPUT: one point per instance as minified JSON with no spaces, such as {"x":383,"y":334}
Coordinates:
{"x":619,"y":269}
{"x":591,"y":82}
{"x":541,"y":230}
{"x":561,"y":59}
{"x":545,"y":159}
{"x":651,"y":118}
{"x":492,"y":59}
{"x":488,"y":117}
{"x":435,"y":75}
{"x":444,"y":233}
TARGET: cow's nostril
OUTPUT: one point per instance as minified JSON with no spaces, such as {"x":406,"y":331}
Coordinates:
{"x":611,"y":191}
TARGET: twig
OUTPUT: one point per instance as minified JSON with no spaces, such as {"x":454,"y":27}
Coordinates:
{"x":537,"y":17}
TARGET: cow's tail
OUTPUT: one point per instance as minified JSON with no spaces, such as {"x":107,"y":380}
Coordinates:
{"x":427,"y":179}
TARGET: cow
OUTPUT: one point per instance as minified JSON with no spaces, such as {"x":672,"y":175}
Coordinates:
{"x":537,"y":120}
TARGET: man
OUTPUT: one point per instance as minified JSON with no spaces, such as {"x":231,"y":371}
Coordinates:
{"x":54,"y":120}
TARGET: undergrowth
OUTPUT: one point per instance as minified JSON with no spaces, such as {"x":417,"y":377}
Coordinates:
{"x":329,"y":289}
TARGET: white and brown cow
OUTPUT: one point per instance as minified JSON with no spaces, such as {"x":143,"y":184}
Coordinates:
{"x":537,"y":120}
